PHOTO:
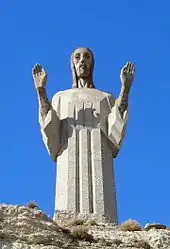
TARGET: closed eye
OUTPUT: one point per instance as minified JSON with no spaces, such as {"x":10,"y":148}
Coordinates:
{"x":87,"y":56}
{"x":77,"y":56}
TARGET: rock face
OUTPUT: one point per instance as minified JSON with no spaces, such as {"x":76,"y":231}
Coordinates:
{"x":22,"y":227}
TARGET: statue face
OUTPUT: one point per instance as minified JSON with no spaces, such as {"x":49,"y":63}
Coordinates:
{"x":82,"y":59}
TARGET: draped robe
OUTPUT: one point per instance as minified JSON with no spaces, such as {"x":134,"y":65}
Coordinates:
{"x":83,"y":132}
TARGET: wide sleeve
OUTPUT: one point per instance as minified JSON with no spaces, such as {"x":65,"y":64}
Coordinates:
{"x":117,"y":125}
{"x":50,"y":129}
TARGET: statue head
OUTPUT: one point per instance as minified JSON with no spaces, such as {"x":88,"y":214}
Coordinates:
{"x":82,"y":64}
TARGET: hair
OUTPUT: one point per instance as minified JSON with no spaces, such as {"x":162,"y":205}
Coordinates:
{"x":74,"y":74}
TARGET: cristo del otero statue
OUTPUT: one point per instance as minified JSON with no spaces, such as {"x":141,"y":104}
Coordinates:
{"x":83,"y":129}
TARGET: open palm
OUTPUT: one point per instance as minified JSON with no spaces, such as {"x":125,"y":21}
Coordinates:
{"x":39,"y":76}
{"x":127,"y":74}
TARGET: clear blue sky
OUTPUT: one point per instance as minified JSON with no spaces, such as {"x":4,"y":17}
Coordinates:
{"x":117,"y":31}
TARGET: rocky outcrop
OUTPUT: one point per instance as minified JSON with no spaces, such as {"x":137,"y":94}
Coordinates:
{"x":22,"y":227}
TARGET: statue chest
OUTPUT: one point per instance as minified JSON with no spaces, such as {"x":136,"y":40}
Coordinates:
{"x":83,"y":107}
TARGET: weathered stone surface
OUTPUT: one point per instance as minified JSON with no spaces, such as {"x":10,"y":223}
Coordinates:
{"x":25,"y":228}
{"x":64,"y":217}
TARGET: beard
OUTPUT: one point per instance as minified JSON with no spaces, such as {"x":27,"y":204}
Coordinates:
{"x":83,"y":72}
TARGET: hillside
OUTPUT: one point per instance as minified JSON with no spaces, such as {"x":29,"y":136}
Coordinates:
{"x":22,"y":227}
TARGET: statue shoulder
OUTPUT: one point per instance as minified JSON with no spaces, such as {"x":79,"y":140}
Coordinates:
{"x":104,"y":93}
{"x":109,"y":95}
{"x":57,"y":96}
{"x":110,"y":99}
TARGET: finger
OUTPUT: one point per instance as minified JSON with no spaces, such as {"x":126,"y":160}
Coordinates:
{"x":133,"y":68}
{"x":43,"y":70}
{"x":125,"y":67}
{"x":38,"y":65}
{"x":39,"y":69}
{"x":130,"y":66}
{"x":34,"y":70}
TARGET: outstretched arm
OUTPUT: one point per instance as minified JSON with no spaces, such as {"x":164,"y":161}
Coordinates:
{"x":40,"y":79}
{"x":43,"y":101}
{"x":126,"y":76}
{"x":117,"y":119}
{"x":48,"y":119}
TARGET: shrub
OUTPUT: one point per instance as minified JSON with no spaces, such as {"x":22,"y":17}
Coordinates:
{"x":130,"y":225}
{"x":81,"y":233}
{"x":90,"y":223}
{"x":32,"y":204}
{"x":154,"y":225}
{"x":75,"y":222}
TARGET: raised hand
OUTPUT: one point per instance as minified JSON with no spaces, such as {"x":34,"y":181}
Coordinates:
{"x":127,"y":74}
{"x":39,"y":76}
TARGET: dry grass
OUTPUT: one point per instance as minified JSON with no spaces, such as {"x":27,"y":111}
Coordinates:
{"x":32,"y":204}
{"x":155,"y":225}
{"x":81,"y":233}
{"x":130,"y":225}
{"x":75,"y":222}
{"x":90,"y":223}
{"x":78,"y":222}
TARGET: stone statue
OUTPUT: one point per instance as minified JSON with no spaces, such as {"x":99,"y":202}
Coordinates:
{"x":82,"y":129}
